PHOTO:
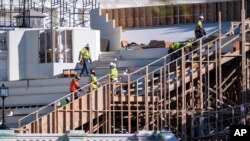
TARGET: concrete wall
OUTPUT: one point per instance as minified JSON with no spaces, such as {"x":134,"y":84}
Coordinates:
{"x":23,"y":60}
{"x":107,"y":28}
{"x":3,"y":65}
{"x":85,"y":36}
{"x":16,"y":55}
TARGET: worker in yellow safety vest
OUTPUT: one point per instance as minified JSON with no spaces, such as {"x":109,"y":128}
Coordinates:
{"x":199,"y":30}
{"x":173,"y":47}
{"x":93,"y":83}
{"x":85,"y":58}
{"x":113,"y":72}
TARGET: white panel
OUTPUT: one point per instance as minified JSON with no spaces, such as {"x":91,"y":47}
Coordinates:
{"x":16,"y":55}
{"x":3,"y":69}
{"x":83,"y":37}
{"x":107,"y":28}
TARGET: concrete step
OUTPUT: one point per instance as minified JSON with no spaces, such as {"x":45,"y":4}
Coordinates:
{"x":38,"y":90}
{"x":105,"y":70}
{"x":32,"y":99}
{"x":22,"y":110}
{"x":143,"y":53}
{"x":138,"y":62}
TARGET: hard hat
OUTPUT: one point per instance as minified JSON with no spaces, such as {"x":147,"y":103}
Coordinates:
{"x":77,"y":77}
{"x":111,"y":64}
{"x":87,"y":46}
{"x":68,"y":98}
{"x":201,"y":17}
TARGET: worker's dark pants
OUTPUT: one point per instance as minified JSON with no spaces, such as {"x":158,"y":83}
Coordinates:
{"x":199,"y":33}
{"x":85,"y":66}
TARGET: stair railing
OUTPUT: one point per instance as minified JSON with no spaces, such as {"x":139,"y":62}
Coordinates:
{"x":165,"y":67}
{"x":34,"y":116}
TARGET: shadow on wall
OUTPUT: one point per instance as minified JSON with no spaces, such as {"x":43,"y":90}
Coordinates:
{"x":21,"y":48}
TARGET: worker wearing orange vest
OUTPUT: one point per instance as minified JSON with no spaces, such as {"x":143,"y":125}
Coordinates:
{"x":85,"y":58}
{"x":74,"y":88}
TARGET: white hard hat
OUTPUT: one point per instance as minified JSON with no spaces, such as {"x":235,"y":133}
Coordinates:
{"x":201,"y":17}
{"x":68,"y":98}
{"x":111,"y":64}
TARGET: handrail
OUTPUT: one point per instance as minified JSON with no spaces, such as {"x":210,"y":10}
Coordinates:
{"x":54,"y":102}
{"x":184,"y":47}
{"x":172,"y":53}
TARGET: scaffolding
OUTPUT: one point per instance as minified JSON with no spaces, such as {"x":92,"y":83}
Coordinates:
{"x":196,"y":95}
{"x":70,"y":13}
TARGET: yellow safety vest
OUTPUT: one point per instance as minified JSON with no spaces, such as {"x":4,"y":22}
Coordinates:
{"x":85,"y":53}
{"x":198,"y":25}
{"x":93,"y":82}
{"x":189,"y":44}
{"x":113,"y":74}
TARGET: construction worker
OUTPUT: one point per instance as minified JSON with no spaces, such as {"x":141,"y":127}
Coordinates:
{"x":174,"y":46}
{"x":93,"y":81}
{"x":113,"y":75}
{"x":189,"y":45}
{"x":74,"y":86}
{"x":113,"y":72}
{"x":199,"y":30}
{"x":85,"y":58}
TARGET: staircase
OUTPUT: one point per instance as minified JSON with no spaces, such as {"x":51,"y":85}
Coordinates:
{"x":27,"y":96}
{"x":164,"y":98}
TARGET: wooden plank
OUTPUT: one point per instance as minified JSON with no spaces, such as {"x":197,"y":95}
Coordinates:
{"x":182,"y":13}
{"x":196,"y":12}
{"x":230,"y":11}
{"x":136,"y":17}
{"x":122,"y":17}
{"x":142,"y":16}
{"x":103,"y":11}
{"x":155,"y":15}
{"x":45,"y":121}
{"x":176,"y":14}
{"x":110,"y":15}
{"x":162,"y":17}
{"x":149,"y":16}
{"x":116,"y":17}
{"x":203,"y":11}
{"x":169,"y":14}
{"x":189,"y":13}
{"x":129,"y":17}
{"x":211,"y":12}
{"x":223,"y":8}
{"x":237,"y":9}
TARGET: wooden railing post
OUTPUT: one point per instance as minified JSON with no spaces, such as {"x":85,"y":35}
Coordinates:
{"x":183,"y":112}
{"x":200,"y":75}
{"x":129,"y":105}
{"x":36,"y":123}
{"x":109,"y":104}
{"x":146,"y":99}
